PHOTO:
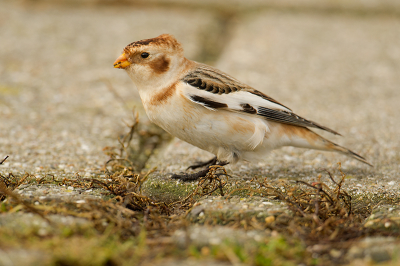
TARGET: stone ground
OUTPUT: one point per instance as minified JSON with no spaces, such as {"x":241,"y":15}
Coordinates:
{"x":58,"y":112}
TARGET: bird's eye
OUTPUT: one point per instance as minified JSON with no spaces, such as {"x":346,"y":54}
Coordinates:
{"x":144,"y":55}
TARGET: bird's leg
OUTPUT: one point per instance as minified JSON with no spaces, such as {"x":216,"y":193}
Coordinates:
{"x":200,"y":174}
{"x":213,"y":161}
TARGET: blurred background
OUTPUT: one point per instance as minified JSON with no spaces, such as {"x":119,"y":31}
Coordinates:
{"x":334,"y":62}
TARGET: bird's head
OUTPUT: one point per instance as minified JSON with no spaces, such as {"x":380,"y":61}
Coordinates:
{"x":151,"y":61}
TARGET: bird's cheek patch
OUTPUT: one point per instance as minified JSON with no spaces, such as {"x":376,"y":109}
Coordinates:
{"x":160,"y":65}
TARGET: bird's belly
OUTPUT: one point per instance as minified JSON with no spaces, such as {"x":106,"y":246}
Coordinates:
{"x":223,"y":133}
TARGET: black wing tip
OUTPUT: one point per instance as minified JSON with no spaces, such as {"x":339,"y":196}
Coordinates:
{"x":290,"y":118}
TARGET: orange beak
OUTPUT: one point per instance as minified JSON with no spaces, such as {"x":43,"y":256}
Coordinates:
{"x":122,"y":62}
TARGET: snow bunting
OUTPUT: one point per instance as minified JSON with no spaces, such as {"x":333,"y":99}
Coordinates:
{"x":212,"y":110}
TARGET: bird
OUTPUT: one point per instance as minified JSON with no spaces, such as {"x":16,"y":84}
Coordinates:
{"x":212,"y":110}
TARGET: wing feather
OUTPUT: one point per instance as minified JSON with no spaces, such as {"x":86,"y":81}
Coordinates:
{"x":214,"y":89}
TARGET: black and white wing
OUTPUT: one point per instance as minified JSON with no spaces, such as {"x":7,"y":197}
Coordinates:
{"x":214,"y":90}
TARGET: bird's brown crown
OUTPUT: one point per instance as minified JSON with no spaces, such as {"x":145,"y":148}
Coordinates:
{"x":165,"y":41}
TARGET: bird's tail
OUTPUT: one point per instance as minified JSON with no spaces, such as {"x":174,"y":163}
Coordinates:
{"x":305,"y":138}
{"x":345,"y":151}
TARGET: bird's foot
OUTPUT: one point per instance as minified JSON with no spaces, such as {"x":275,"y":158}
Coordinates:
{"x":199,"y":174}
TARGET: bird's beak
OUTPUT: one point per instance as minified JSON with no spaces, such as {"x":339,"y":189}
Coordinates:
{"x":122,"y":61}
